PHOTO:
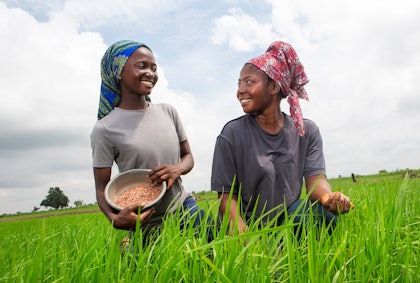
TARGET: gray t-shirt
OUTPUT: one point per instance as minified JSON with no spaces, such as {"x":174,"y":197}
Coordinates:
{"x":268,"y":168}
{"x":142,"y":139}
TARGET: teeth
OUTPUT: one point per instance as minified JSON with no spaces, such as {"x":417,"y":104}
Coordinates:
{"x":147,"y":83}
{"x":244,"y":101}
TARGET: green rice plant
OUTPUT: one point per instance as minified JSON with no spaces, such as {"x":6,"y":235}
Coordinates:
{"x":378,"y":241}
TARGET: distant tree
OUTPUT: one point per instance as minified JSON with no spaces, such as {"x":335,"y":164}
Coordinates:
{"x":79,"y":203}
{"x":55,"y":198}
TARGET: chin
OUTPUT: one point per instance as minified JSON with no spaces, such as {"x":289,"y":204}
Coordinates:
{"x":147,"y":92}
{"x":247,"y":110}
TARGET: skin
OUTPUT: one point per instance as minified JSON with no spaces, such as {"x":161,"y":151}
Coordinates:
{"x":261,"y":96}
{"x":138,"y":78}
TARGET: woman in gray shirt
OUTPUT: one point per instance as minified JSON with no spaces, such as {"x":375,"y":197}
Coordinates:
{"x":134,"y":133}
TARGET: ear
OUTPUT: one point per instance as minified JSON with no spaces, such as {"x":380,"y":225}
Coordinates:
{"x":274,"y":88}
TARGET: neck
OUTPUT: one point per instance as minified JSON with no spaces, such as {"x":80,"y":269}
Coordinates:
{"x":272,"y":123}
{"x":133,"y":102}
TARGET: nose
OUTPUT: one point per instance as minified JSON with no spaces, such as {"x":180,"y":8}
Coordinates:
{"x":239,"y":92}
{"x":240,"y":86}
{"x":149,"y":73}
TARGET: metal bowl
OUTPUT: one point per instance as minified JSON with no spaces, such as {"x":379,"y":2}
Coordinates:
{"x":123,"y":181}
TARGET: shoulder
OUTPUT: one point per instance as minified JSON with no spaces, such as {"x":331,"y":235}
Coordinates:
{"x":99,"y":126}
{"x":164,"y":107}
{"x":110,"y":121}
{"x":311,"y":130}
{"x":235,"y":129}
{"x":98,"y":131}
{"x":310,"y":125}
{"x":235,"y":123}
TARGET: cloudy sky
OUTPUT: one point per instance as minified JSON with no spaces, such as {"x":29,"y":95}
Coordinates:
{"x":362,"y":59}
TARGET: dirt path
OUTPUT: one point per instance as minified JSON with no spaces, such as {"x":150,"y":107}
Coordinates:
{"x":45,"y":215}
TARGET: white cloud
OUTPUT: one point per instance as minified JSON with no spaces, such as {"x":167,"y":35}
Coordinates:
{"x":362,"y":59}
{"x":52,"y":70}
{"x":54,"y":81}
{"x":50,"y":87}
{"x":241,"y":32}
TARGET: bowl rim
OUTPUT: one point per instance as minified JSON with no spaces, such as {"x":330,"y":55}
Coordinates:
{"x":130,"y":171}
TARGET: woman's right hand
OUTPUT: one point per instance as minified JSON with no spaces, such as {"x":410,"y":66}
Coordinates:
{"x":126,"y":219}
{"x":336,"y":202}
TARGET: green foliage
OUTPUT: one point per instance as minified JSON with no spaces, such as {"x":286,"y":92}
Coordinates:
{"x":376,"y":242}
{"x":55,"y":198}
{"x":78,"y":203}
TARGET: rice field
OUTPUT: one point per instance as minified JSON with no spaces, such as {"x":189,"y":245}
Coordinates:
{"x":379,"y":241}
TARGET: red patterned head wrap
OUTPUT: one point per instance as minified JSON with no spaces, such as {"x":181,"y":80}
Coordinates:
{"x":281,"y":63}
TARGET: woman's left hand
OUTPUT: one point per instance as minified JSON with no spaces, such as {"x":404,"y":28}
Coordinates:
{"x":336,"y":202}
{"x":165,"y":172}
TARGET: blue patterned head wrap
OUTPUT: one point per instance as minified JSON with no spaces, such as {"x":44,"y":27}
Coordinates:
{"x":112,"y":65}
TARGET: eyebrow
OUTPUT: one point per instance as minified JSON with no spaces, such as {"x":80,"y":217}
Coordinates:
{"x":247,"y":77}
{"x":144,"y":62}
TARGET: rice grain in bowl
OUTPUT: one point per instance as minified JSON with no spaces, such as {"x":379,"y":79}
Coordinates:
{"x":133,"y":187}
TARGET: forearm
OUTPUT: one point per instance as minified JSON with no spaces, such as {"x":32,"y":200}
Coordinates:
{"x":187,"y":160}
{"x":186,"y":164}
{"x":102,"y":177}
{"x":234,"y":215}
{"x":104,"y":206}
{"x":317,"y":187}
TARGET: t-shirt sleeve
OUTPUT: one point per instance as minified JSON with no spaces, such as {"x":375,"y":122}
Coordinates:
{"x":182,"y":135}
{"x":223,"y":167}
{"x":102,"y":150}
{"x":315,"y":161}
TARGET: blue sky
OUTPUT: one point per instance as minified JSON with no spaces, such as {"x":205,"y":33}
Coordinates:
{"x":362,"y":59}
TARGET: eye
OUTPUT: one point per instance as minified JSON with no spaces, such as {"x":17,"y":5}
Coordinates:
{"x":140,"y":66}
{"x":154,"y":68}
{"x":247,"y":82}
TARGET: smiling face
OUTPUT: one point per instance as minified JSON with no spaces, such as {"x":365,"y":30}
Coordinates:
{"x":139,"y":74}
{"x":256,"y":92}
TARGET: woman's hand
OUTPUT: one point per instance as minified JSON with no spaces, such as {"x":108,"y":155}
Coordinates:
{"x":320,"y":189}
{"x":336,"y":202}
{"x":126,"y":219}
{"x":165,"y":172}
{"x":170,"y":173}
